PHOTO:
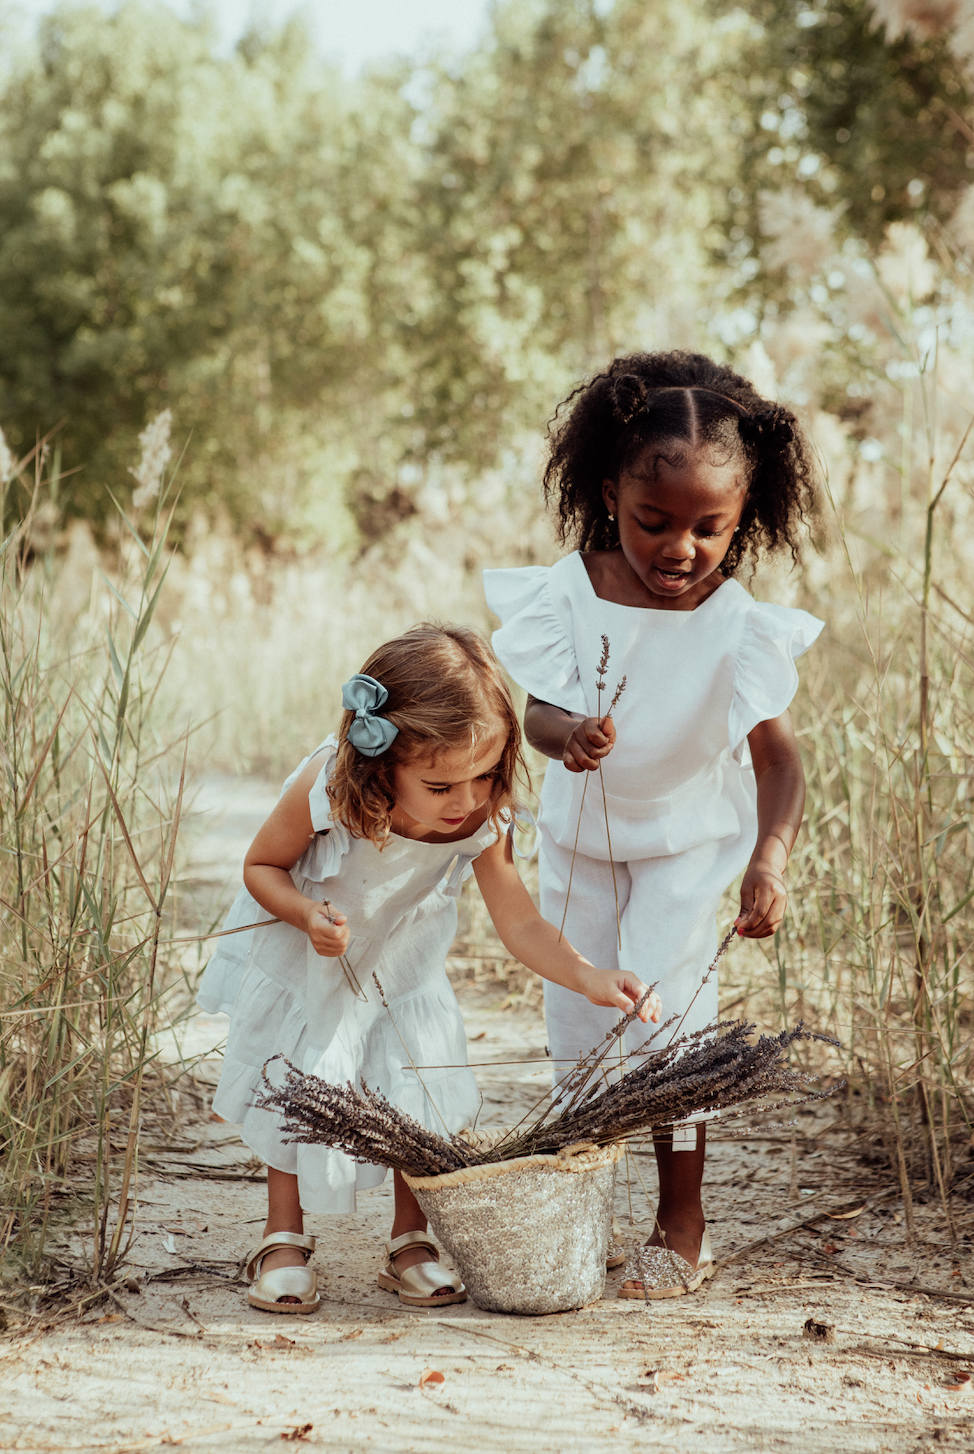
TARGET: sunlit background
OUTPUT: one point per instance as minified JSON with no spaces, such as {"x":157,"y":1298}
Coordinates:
{"x":353,"y":35}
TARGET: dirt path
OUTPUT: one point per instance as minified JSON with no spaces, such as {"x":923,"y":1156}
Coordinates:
{"x":180,"y":1359}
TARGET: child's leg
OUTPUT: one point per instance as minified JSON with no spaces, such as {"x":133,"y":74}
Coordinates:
{"x":669,"y":934}
{"x":409,"y":1218}
{"x":283,"y":1215}
{"x":679,"y":1215}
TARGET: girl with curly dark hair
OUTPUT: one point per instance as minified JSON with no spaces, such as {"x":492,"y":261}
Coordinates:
{"x":667,"y":473}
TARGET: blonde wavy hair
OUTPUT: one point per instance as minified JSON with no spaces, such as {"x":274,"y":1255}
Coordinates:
{"x":445,"y":691}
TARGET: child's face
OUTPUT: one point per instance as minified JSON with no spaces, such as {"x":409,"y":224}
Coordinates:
{"x":676,"y":521}
{"x":449,"y":794}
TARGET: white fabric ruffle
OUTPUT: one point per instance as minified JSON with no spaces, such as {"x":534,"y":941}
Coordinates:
{"x":534,"y":642}
{"x":442,"y":1100}
{"x":765,"y":675}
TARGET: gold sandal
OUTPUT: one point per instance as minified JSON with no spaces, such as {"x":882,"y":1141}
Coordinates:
{"x":280,"y":1282}
{"x":417,"y":1286}
{"x":657,"y":1272}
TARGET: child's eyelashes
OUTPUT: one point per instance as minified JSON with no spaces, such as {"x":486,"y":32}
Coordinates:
{"x":485,"y":777}
{"x":700,"y":534}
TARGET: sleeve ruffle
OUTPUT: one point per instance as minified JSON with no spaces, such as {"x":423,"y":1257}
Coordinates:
{"x":766,"y":678}
{"x":323,"y":856}
{"x":318,"y":800}
{"x":533,"y":644}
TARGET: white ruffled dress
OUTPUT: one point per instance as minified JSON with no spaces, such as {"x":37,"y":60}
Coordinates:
{"x":283,"y":998}
{"x":680,"y":789}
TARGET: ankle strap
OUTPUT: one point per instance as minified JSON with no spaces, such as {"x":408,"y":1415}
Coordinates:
{"x":412,"y":1239}
{"x":304,"y":1243}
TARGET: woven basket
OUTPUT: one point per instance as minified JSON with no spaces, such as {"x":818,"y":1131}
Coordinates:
{"x":529,"y":1235}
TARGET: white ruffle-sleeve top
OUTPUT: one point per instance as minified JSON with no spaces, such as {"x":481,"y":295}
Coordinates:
{"x":697,"y":682}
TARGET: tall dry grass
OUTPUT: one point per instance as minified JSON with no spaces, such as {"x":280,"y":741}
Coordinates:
{"x":89,"y":817}
{"x":877,"y":946}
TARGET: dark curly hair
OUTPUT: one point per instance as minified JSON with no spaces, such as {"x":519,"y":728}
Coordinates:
{"x":656,"y":398}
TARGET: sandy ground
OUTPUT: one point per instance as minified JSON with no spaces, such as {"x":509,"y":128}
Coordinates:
{"x":178,"y":1358}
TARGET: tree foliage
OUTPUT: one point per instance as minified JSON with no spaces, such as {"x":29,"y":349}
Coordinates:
{"x":876,"y":126}
{"x":338,"y":288}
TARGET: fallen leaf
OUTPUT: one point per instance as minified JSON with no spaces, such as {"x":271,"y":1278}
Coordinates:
{"x":201,"y":1226}
{"x":481,"y":1036}
{"x":830,"y":1248}
{"x":215,"y":1117}
{"x":281,"y":1342}
{"x":959,"y":1381}
{"x":847,"y":1216}
{"x":219,"y":1398}
{"x":112,"y":1318}
{"x":430,"y":1375}
{"x":818,"y":1332}
{"x":352,"y":1333}
{"x":655,"y":1378}
{"x":170,"y":1244}
{"x":291,"y":1436}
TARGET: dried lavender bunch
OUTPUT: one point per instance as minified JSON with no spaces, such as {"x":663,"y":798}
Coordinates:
{"x":719,"y":1068}
{"x":713,"y":1069}
{"x":362,"y":1123}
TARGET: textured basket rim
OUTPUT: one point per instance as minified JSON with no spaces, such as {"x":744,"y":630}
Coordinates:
{"x":582,"y":1160}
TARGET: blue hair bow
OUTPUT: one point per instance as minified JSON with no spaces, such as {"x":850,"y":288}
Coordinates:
{"x":369,"y":733}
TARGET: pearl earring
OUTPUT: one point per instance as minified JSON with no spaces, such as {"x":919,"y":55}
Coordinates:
{"x":736,"y":528}
{"x":612,"y":517}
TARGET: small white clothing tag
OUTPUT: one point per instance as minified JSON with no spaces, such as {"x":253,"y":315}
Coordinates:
{"x":685,"y":1137}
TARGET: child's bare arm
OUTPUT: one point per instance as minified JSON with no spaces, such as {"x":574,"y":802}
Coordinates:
{"x":274,"y":852}
{"x":577,"y":741}
{"x":781,"y":801}
{"x":535,"y":942}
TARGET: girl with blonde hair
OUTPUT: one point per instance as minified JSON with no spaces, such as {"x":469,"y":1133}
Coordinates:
{"x":358,"y":869}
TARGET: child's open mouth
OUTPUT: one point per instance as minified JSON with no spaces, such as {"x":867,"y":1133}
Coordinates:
{"x":671,"y":577}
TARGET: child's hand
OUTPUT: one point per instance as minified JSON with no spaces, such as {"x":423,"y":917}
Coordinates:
{"x":619,"y":991}
{"x":327,"y":931}
{"x":763,"y":901}
{"x":590,"y":740}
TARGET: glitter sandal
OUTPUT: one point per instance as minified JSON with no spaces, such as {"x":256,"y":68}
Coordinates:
{"x":657,"y":1272}
{"x":280,"y":1282}
{"x":417,"y":1286}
